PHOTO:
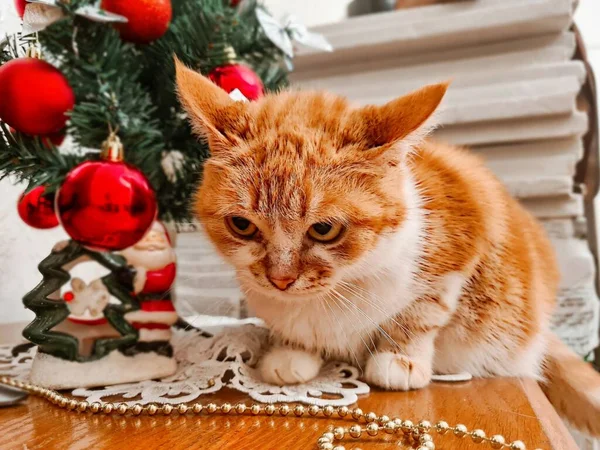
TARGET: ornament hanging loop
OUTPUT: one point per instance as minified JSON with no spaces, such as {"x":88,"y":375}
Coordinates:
{"x":34,"y":49}
{"x":112,"y":148}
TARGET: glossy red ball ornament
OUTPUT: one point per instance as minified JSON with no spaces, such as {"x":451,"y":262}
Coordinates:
{"x":147,"y":20}
{"x":238,"y":76}
{"x":20,"y":7}
{"x":106,"y":205}
{"x":35,"y":95}
{"x":36,"y":208}
{"x":234,"y":3}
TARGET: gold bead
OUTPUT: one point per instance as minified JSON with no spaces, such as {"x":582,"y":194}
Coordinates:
{"x":313,"y":410}
{"x":72,"y":404}
{"x":322,"y":441}
{"x":329,"y":436}
{"x":422,"y":447}
{"x":339,"y":447}
{"x":299,"y":410}
{"x":389,"y":427}
{"x":197,"y":408}
{"x":460,"y":430}
{"x":82,"y":406}
{"x":328,"y":411}
{"x":226,"y":408}
{"x":477,"y":436}
{"x":517,"y":445}
{"x":429,"y":445}
{"x":121,"y":408}
{"x":497,"y":441}
{"x":382,"y":420}
{"x":370,"y":417}
{"x":398,"y":422}
{"x":137,"y":409}
{"x":372,"y":429}
{"x":343,"y":411}
{"x":95,"y":407}
{"x":355,"y":431}
{"x":407,"y":426}
{"x":255,"y":409}
{"x":424,"y":426}
{"x":442,"y":427}
{"x":326,"y":446}
{"x":240,"y":408}
{"x":339,"y":433}
{"x":270,"y":410}
{"x":284,"y":410}
{"x":181,"y":409}
{"x":425,"y":437}
{"x":152,"y":409}
{"x":211,"y":408}
{"x":167,"y":409}
{"x":107,"y":408}
{"x":357,"y":413}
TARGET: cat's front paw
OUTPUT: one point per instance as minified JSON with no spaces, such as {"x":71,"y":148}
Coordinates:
{"x":396,"y":372}
{"x":283,"y":366}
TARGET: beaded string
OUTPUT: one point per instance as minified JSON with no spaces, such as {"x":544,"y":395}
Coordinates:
{"x":367,"y":423}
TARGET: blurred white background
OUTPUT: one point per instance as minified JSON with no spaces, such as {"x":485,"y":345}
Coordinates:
{"x":21,"y":247}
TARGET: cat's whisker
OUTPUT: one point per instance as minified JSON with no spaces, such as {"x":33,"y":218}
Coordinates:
{"x":341,"y":327}
{"x":371,"y":302}
{"x":376,"y":325}
{"x":374,"y":347}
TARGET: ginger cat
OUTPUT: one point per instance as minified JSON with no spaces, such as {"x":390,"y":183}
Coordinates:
{"x":354,"y":238}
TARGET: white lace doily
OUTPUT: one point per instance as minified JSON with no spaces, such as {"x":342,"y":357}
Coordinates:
{"x":209,"y":361}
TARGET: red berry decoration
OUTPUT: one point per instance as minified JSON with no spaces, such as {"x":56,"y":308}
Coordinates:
{"x":234,"y":3}
{"x":238,"y":76}
{"x":35,"y":96}
{"x":147,"y":20}
{"x":107,"y":204}
{"x":20,"y":7}
{"x":36,"y":208}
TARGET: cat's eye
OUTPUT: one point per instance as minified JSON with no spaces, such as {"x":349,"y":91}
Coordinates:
{"x":324,"y":232}
{"x":241,"y":226}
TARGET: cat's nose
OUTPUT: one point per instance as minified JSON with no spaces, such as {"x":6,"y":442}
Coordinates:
{"x":282,"y":283}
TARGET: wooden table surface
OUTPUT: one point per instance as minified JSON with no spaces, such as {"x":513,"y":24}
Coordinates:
{"x":514,"y":408}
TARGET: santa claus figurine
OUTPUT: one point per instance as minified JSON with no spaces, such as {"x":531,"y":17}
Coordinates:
{"x":154,"y":260}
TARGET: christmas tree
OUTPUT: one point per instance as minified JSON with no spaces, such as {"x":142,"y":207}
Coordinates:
{"x":115,"y":74}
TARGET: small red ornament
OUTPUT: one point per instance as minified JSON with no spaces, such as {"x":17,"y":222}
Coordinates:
{"x":35,"y":96}
{"x":147,"y":20}
{"x":234,"y":3}
{"x":107,"y":204}
{"x":238,"y":76}
{"x":36,"y":208}
{"x":20,"y":7}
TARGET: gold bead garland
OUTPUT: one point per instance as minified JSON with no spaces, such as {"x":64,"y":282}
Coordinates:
{"x":419,"y":434}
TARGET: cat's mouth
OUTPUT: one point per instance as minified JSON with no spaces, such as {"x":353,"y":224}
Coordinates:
{"x":265,"y":288}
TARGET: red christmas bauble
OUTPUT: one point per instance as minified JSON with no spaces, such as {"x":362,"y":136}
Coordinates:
{"x":36,"y":208}
{"x":35,"y":96}
{"x":20,"y":7}
{"x":147,"y":20}
{"x":238,"y":76}
{"x":234,"y":3}
{"x":106,"y":205}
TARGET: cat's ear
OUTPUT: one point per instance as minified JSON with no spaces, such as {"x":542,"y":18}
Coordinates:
{"x":212,"y":113}
{"x":407,"y":117}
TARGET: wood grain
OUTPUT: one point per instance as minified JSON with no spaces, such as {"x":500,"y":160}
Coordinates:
{"x":514,"y":408}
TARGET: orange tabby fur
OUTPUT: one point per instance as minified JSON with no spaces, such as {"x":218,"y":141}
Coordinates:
{"x":437,"y":269}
